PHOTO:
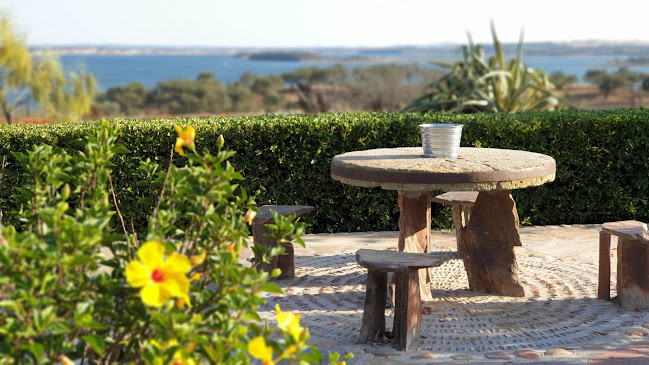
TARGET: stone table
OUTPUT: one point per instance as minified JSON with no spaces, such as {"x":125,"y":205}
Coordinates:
{"x":486,"y":243}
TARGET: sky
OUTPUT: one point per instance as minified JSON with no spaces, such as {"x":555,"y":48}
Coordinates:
{"x":321,"y":23}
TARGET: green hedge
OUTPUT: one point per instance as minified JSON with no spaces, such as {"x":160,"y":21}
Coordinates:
{"x":602,"y":161}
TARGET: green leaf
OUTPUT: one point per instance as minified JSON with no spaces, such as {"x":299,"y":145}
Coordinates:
{"x":95,"y":342}
{"x":162,"y":319}
{"x":110,"y":263}
{"x":120,"y":149}
{"x":146,"y":201}
{"x":58,"y":328}
{"x":193,"y":157}
{"x":82,"y":308}
{"x":37,"y":349}
{"x":271,"y":287}
{"x":251,"y":316}
{"x":95,"y":325}
{"x":314,"y":357}
{"x":10,"y":304}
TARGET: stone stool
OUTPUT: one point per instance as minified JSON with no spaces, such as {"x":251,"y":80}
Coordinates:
{"x":632,"y":263}
{"x":286,"y":261}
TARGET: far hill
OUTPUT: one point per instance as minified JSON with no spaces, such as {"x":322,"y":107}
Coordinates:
{"x":295,"y":56}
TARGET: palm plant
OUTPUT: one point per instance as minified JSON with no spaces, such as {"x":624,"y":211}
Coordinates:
{"x":476,"y":85}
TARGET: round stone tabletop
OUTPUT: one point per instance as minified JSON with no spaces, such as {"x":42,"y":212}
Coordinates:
{"x":476,"y":169}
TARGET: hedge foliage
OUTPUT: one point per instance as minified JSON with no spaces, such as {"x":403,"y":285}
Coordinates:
{"x":602,"y":161}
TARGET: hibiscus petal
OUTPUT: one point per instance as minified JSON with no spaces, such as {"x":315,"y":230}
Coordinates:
{"x":179,"y":146}
{"x":177,"y":285}
{"x":151,"y":254}
{"x":137,"y":274}
{"x":189,"y":136}
{"x":197,"y":259}
{"x":177,"y":263}
{"x":151,"y":295}
{"x":257,"y":348}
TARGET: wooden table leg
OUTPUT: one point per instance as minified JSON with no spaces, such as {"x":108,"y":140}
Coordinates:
{"x":488,"y":242}
{"x":414,"y":231}
{"x":604,"y":281}
{"x":461,"y":215}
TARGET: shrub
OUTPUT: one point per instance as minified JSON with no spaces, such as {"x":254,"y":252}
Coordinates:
{"x":72,"y":288}
{"x":601,"y":169}
{"x":476,"y":84}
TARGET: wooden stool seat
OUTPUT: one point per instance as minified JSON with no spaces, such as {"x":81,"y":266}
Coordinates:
{"x":407,"y":308}
{"x":456,"y":198}
{"x":461,"y":203}
{"x":286,"y":261}
{"x":632,"y":230}
{"x":632,"y":263}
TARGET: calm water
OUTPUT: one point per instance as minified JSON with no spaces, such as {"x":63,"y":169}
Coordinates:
{"x":113,"y":70}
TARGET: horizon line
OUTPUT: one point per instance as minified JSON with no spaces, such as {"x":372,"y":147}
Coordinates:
{"x":404,"y":45}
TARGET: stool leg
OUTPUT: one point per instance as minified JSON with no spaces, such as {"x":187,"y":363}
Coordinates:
{"x":286,"y":262}
{"x":259,"y":232}
{"x":632,"y":274}
{"x":376,"y":292}
{"x":604,"y":281}
{"x":407,"y":309}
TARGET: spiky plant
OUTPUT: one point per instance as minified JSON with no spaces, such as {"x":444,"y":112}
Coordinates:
{"x":478,"y":85}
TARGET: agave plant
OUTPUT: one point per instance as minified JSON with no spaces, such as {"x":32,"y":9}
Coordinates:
{"x":476,"y":85}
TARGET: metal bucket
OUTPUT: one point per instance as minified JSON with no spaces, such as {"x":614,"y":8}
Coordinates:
{"x":441,"y":140}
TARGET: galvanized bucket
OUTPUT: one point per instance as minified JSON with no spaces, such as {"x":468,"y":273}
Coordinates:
{"x":441,"y":140}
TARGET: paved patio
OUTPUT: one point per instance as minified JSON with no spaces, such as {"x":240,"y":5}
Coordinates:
{"x":558,"y":321}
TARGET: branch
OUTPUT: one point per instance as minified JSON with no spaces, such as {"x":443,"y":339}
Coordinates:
{"x":18,"y":101}
{"x":121,"y":218}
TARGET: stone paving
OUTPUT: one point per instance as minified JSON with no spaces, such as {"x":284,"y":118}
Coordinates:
{"x":560,"y":320}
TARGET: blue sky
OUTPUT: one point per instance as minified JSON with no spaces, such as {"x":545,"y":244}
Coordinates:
{"x":294,"y":23}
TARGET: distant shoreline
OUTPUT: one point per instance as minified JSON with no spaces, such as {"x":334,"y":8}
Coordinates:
{"x":249,"y":55}
{"x":107,"y":51}
{"x":576,"y":48}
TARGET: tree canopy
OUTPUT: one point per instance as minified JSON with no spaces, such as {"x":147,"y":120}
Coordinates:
{"x":607,"y":82}
{"x":25,"y":79}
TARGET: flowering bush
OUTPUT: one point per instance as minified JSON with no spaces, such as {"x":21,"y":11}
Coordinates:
{"x":74,"y":290}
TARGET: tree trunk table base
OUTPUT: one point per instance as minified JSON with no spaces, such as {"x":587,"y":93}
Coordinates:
{"x":487,"y":242}
{"x":414,"y":232}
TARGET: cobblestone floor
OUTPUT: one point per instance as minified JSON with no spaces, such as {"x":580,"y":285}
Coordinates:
{"x":558,"y":321}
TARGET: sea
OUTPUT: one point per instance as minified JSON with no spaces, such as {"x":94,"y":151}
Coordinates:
{"x":120,"y":69}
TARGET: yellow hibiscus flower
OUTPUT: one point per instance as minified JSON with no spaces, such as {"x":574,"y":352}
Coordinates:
{"x":249,"y":216}
{"x":159,"y":278}
{"x":258,"y":349}
{"x":289,"y":322}
{"x":185,"y":138}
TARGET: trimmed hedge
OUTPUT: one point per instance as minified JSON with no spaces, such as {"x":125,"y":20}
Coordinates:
{"x":602,"y":161}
